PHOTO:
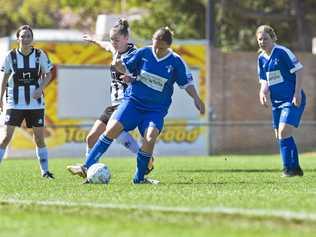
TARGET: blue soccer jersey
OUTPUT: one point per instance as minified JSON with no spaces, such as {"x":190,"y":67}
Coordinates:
{"x":153,"y":88}
{"x":278,"y":69}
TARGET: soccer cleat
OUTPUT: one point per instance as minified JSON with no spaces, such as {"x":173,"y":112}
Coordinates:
{"x":150,"y":166}
{"x":299,"y":172}
{"x":292,"y":173}
{"x":286,"y":173}
{"x":147,"y":181}
{"x":86,"y":181}
{"x":48,"y":175}
{"x":77,"y":170}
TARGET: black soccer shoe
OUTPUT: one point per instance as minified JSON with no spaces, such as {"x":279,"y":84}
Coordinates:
{"x":299,"y":172}
{"x":48,"y":175}
{"x":150,"y":166}
{"x":292,"y":173}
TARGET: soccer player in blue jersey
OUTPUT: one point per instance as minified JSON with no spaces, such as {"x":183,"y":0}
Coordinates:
{"x":120,"y":47}
{"x":146,"y":101}
{"x":279,"y":74}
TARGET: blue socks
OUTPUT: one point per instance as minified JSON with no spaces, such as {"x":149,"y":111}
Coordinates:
{"x":289,"y":154}
{"x":2,"y":152}
{"x":97,"y":151}
{"x":142,"y":164}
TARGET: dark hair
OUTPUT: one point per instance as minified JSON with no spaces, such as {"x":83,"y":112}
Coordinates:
{"x":165,"y":34}
{"x":121,"y":27}
{"x":24,"y":27}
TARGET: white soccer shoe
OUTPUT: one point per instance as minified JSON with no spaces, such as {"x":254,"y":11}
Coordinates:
{"x":77,"y":170}
{"x":148,"y":181}
{"x":151,"y":181}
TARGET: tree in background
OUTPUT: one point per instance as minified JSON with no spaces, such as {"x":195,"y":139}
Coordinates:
{"x":293,"y":20}
{"x":186,"y":18}
{"x":236,"y":20}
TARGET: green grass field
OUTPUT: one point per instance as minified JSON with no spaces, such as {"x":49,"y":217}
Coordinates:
{"x":197,"y":196}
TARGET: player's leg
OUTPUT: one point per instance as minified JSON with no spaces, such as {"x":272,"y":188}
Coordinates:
{"x":285,"y":145}
{"x":35,"y":120}
{"x":120,"y":120}
{"x":124,"y":138}
{"x":99,"y":127}
{"x":95,"y":132}
{"x":290,"y":119}
{"x":286,"y":160}
{"x":6,"y":137}
{"x":13,"y":118}
{"x":144,"y":154}
{"x":125,"y":117}
{"x":128,"y":141}
{"x":113,"y":129}
{"x":103,"y":142}
{"x":150,"y":128}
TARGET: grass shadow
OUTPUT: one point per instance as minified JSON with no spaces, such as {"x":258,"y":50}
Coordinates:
{"x":229,"y":171}
{"x":235,"y":170}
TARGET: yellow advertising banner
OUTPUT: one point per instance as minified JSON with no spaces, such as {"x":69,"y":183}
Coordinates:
{"x":62,"y":131}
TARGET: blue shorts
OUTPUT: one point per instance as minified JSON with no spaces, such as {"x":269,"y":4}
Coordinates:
{"x":130,"y":116}
{"x":290,"y":115}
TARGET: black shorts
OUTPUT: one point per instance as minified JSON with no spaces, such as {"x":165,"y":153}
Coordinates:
{"x":105,"y":116}
{"x":33,"y":117}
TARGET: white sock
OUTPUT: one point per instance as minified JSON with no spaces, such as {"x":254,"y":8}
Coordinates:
{"x":128,"y":141}
{"x":87,"y":150}
{"x":2,"y":152}
{"x":42,"y":156}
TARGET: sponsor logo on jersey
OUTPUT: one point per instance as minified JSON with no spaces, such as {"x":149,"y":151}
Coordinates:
{"x":274,"y":77}
{"x":153,"y":81}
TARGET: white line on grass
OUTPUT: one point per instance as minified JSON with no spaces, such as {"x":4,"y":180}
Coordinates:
{"x":282,"y":214}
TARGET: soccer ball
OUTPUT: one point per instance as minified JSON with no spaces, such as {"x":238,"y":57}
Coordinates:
{"x":98,"y":174}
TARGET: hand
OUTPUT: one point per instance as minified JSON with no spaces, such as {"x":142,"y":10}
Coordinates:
{"x":127,"y":78}
{"x":88,"y":38}
{"x":37,"y":93}
{"x":199,"y":104}
{"x":263,"y":99}
{"x":297,"y":98}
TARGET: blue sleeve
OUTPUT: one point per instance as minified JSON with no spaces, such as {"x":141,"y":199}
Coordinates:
{"x":183,"y":74}
{"x":133,"y":61}
{"x":291,"y":61}
{"x":261,"y":73}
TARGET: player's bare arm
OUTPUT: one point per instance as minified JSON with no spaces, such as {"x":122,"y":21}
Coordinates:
{"x":4,"y":82}
{"x":103,"y":44}
{"x":199,"y":104}
{"x":46,"y":77}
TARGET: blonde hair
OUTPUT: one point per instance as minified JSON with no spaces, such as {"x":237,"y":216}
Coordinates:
{"x":269,"y":30}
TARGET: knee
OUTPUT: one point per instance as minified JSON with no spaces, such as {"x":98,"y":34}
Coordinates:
{"x":89,"y":138}
{"x":150,"y":138}
{"x":284,"y":133}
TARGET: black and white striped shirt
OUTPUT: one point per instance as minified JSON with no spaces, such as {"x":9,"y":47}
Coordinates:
{"x":19,"y":91}
{"x":118,"y":87}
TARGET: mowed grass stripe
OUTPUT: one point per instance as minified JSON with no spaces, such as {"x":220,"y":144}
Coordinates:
{"x":281,"y":214}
